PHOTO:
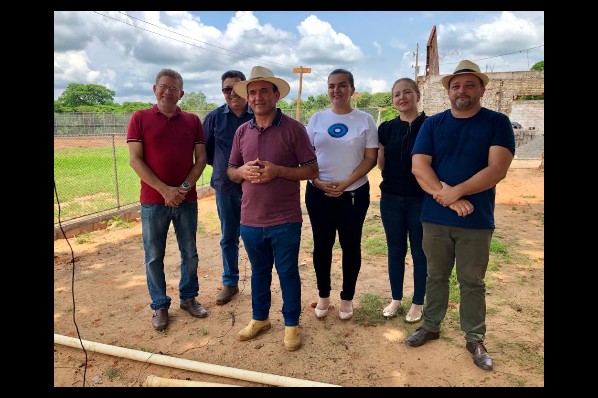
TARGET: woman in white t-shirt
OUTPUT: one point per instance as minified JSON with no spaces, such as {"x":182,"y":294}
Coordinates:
{"x":346,"y":144}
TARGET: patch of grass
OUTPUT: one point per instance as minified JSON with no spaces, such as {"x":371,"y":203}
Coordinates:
{"x":374,"y":238}
{"x":517,"y":382}
{"x":493,"y":265}
{"x":113,"y":373}
{"x":498,"y":247}
{"x":208,"y":222}
{"x":203,"y":332}
{"x":528,"y":196}
{"x":375,"y":246}
{"x":369,"y":310}
{"x":454,"y":292}
{"x":523,"y":354}
{"x":514,"y":208}
{"x":85,"y":237}
{"x":117,"y":223}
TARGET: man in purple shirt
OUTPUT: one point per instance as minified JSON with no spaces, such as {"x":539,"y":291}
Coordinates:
{"x":270,"y":155}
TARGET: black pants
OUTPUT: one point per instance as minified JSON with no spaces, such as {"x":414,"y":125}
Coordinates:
{"x":346,"y":215}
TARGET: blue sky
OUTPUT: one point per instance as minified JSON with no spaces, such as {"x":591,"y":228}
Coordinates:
{"x":124,"y":50}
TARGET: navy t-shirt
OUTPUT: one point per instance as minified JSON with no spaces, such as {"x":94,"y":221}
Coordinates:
{"x":459,"y":149}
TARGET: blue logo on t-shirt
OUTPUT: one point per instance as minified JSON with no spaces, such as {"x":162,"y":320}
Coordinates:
{"x":338,"y":130}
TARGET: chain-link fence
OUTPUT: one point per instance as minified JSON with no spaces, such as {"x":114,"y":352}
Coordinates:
{"x":92,"y":174}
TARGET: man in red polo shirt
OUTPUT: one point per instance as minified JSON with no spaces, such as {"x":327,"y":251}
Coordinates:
{"x":167,"y":151}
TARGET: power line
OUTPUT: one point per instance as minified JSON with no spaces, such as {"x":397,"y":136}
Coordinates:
{"x":241,"y":55}
{"x":496,"y":56}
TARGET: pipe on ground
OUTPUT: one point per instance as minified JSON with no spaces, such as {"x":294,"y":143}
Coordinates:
{"x":186,"y":364}
{"x":156,"y":381}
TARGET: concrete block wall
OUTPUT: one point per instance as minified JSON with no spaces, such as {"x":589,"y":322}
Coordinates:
{"x":530,"y":114}
{"x":77,"y":227}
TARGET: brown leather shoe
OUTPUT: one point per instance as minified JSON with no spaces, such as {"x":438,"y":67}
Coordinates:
{"x":226,"y":294}
{"x":194,"y":308}
{"x":421,"y":337}
{"x":160,"y":319}
{"x":481,"y":358}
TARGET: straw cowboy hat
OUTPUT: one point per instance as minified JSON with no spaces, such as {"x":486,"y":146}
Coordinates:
{"x":466,"y":66}
{"x":261,"y":73}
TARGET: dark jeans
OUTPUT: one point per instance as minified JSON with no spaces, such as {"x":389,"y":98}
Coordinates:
{"x":267,"y":246}
{"x":229,"y":212}
{"x":400,"y":217}
{"x":469,"y":250}
{"x":346,"y":215}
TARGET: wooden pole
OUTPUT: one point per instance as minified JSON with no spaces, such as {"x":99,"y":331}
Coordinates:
{"x":301,"y":70}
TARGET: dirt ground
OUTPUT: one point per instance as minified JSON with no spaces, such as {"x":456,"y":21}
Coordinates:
{"x":112,"y":308}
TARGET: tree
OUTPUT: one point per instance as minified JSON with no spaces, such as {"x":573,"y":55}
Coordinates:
{"x":538,"y":66}
{"x":77,"y":94}
{"x":193,"y":100}
{"x":196,"y":101}
{"x":383,"y":100}
{"x":134,"y":106}
{"x":319,"y":102}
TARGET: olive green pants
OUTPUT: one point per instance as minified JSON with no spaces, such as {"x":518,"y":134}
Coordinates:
{"x":469,"y":250}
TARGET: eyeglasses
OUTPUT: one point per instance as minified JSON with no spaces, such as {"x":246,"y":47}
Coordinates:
{"x":227,"y":90}
{"x":164,"y":87}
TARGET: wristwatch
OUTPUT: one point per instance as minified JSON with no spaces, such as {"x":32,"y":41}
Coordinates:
{"x":185,"y":185}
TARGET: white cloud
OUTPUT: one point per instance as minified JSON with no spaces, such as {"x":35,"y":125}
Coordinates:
{"x":124,"y":50}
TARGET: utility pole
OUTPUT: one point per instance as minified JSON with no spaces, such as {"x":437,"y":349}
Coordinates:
{"x":301,"y":70}
{"x":416,"y":53}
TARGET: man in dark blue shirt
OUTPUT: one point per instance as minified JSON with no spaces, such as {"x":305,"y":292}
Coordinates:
{"x":219,"y":128}
{"x":458,"y":158}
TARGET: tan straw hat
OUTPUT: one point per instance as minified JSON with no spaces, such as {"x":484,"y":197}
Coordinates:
{"x":466,"y":66}
{"x":261,"y":73}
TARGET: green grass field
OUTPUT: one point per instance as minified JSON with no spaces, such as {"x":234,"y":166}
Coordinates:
{"x":92,"y":180}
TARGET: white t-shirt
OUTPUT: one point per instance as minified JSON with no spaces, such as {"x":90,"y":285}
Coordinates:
{"x":340,"y":142}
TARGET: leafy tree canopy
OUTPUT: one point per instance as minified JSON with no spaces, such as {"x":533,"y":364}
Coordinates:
{"x":77,"y":94}
{"x":538,"y":66}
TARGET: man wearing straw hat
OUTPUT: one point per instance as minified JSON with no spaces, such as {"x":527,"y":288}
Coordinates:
{"x":458,"y":158}
{"x":271,"y":153}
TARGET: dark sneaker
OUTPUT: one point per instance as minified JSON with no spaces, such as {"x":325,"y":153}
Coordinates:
{"x":160,"y":319}
{"x":194,"y":308}
{"x":226,"y":294}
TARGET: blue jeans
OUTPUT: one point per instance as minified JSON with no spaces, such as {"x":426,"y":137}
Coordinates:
{"x":277,"y":245}
{"x":401,"y":219}
{"x":229,"y":212}
{"x":155,"y":221}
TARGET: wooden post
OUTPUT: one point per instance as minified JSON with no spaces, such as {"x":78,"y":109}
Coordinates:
{"x":301,"y":70}
{"x":380,"y":109}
